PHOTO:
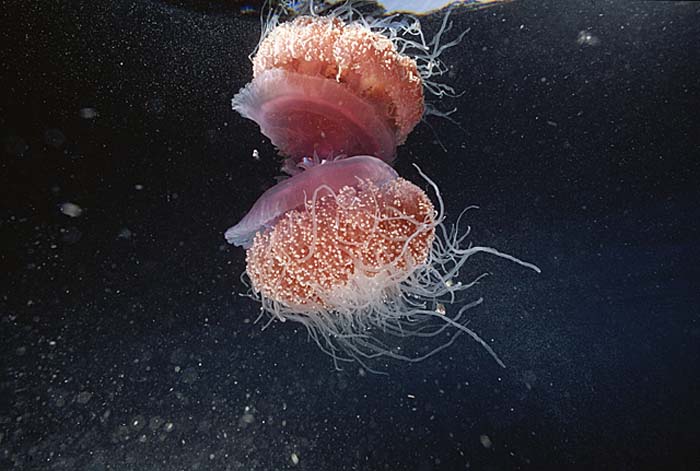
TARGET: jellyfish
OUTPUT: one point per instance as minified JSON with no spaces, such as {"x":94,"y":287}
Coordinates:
{"x":321,"y":86}
{"x":342,"y":84}
{"x":358,"y":255}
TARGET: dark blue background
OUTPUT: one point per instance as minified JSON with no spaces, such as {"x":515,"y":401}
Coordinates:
{"x":125,"y":344}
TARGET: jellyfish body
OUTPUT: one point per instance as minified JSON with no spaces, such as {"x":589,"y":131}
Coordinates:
{"x":328,"y":88}
{"x":317,"y":256}
{"x":359,"y":256}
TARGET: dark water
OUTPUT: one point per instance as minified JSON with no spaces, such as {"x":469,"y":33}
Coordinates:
{"x":125,"y":345}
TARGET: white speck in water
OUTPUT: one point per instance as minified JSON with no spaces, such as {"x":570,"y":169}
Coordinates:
{"x":125,"y":233}
{"x":295,"y":459}
{"x":88,"y":113}
{"x":71,"y":209}
{"x":586,"y":38}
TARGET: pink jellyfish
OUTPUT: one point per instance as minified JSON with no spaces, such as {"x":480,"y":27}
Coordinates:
{"x":325,"y":87}
{"x":345,"y":246}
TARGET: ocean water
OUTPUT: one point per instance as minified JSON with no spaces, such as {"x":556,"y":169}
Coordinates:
{"x":126,"y":343}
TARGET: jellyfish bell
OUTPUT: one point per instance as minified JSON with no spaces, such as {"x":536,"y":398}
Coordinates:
{"x":322,"y":86}
{"x":358,"y":255}
{"x":327,"y":253}
{"x":303,"y":115}
{"x":318,"y":179}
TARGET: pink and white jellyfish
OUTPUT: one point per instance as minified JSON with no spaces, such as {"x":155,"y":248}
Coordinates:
{"x":346,"y":247}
